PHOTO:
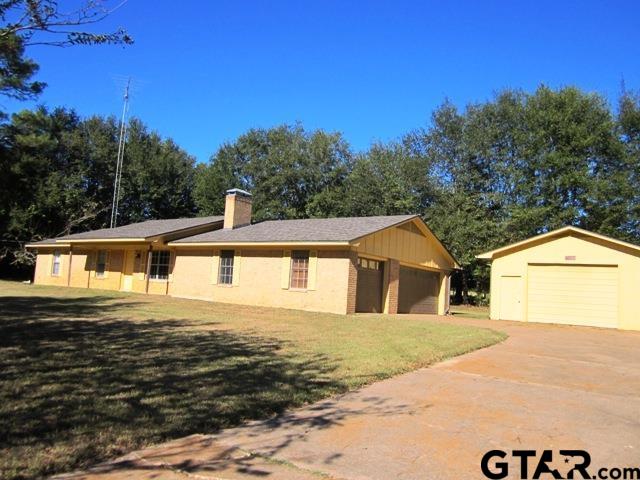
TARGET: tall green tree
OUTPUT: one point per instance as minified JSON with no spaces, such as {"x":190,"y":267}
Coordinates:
{"x":524,"y":164}
{"x":290,"y":172}
{"x":466,"y":211}
{"x":157,"y":180}
{"x":628,"y":129}
{"x":388,"y":179}
{"x":59,"y":171}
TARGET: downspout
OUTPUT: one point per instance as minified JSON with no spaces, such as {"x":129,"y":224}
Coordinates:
{"x":90,"y":259}
{"x":69,"y":267}
{"x":146,"y":288}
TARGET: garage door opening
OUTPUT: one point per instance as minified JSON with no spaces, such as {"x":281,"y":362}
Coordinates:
{"x":419,"y":291}
{"x":369,"y":291}
{"x":573,"y":294}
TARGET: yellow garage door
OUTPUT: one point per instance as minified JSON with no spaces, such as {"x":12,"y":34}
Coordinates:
{"x":573,"y":294}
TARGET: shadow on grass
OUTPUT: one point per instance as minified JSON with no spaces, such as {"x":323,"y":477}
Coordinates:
{"x":79,"y":385}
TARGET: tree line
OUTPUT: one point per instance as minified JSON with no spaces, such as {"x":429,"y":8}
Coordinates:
{"x":482,"y":176}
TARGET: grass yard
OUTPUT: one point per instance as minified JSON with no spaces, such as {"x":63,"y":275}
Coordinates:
{"x":86,"y":375}
{"x":470,"y":311}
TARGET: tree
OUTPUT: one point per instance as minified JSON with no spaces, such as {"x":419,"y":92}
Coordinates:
{"x":157,"y":178}
{"x":628,"y":130}
{"x":387,"y":180}
{"x":465,"y":213}
{"x":524,"y":164}
{"x":290,"y":172}
{"x":38,"y":172}
{"x":42,"y":22}
{"x":58,"y":174}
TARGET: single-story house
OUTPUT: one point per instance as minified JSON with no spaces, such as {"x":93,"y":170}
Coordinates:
{"x":390,"y":264}
{"x":126,"y":258}
{"x":568,"y":276}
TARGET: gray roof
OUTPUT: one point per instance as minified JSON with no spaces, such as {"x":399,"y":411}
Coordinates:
{"x":150,"y":228}
{"x":46,"y":241}
{"x":308,"y":230}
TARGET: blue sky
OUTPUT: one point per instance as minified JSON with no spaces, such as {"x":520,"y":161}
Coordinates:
{"x":207,"y":71}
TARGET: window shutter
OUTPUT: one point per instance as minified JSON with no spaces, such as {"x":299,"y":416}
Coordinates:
{"x":215,"y":267}
{"x":107,"y":261}
{"x":313,"y":266}
{"x":286,"y":269}
{"x":237,"y":258}
{"x":60,"y":265}
{"x":143,"y":264}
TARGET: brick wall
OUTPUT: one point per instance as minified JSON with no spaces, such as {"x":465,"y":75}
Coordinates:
{"x":352,"y":286}
{"x":394,"y":285}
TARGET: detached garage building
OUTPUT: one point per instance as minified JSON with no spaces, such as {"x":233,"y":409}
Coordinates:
{"x":568,"y":276}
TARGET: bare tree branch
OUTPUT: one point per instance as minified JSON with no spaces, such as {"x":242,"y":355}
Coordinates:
{"x":44,"y":17}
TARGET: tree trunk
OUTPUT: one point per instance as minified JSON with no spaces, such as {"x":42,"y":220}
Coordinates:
{"x":464,"y":287}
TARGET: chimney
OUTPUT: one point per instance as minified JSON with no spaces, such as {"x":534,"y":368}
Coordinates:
{"x":237,"y":209}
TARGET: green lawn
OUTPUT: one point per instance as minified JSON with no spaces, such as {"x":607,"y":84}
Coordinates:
{"x":469,"y":311}
{"x":86,"y":375}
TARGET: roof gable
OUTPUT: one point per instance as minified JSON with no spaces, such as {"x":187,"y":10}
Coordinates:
{"x":555,"y":234}
{"x":415,"y":227}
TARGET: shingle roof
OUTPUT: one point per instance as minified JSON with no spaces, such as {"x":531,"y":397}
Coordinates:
{"x":46,"y":241}
{"x":307,"y":230}
{"x":568,"y":230}
{"x":150,"y":228}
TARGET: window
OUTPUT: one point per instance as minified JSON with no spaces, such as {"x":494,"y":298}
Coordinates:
{"x":55,"y":266}
{"x":368,"y":263}
{"x":299,"y":269}
{"x":101,"y":263}
{"x":160,"y":265}
{"x":225,"y":272}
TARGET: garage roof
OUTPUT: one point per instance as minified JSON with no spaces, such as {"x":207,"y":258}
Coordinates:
{"x":561,"y":232}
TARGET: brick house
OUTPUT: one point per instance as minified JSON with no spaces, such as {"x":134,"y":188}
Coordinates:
{"x":390,"y":264}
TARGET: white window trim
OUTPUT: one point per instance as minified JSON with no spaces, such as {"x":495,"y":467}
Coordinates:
{"x":299,"y":289}
{"x":53,"y":262}
{"x":233,"y":267}
{"x":160,"y":280}
{"x":105,"y":273}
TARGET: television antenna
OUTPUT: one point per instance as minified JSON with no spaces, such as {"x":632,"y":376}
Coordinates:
{"x":120,"y":158}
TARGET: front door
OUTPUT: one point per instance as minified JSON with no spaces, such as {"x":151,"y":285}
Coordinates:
{"x":127,"y":270}
{"x":510,"y":298}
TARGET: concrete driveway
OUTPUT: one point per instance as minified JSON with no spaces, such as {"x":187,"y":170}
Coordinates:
{"x":546,"y":387}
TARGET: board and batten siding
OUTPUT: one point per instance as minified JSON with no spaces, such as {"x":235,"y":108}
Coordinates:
{"x":415,"y":247}
{"x":600,"y":274}
{"x":408,"y":245}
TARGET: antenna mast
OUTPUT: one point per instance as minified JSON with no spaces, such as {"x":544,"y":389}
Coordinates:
{"x":121,"y":142}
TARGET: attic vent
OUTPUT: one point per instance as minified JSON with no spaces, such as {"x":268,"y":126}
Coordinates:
{"x":410,"y":227}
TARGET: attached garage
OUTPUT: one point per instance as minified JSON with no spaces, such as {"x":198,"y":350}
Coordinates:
{"x":419,"y":290}
{"x":569,"y":276}
{"x":370,"y":283}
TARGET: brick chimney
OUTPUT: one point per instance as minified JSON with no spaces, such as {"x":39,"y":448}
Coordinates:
{"x":237,"y":208}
